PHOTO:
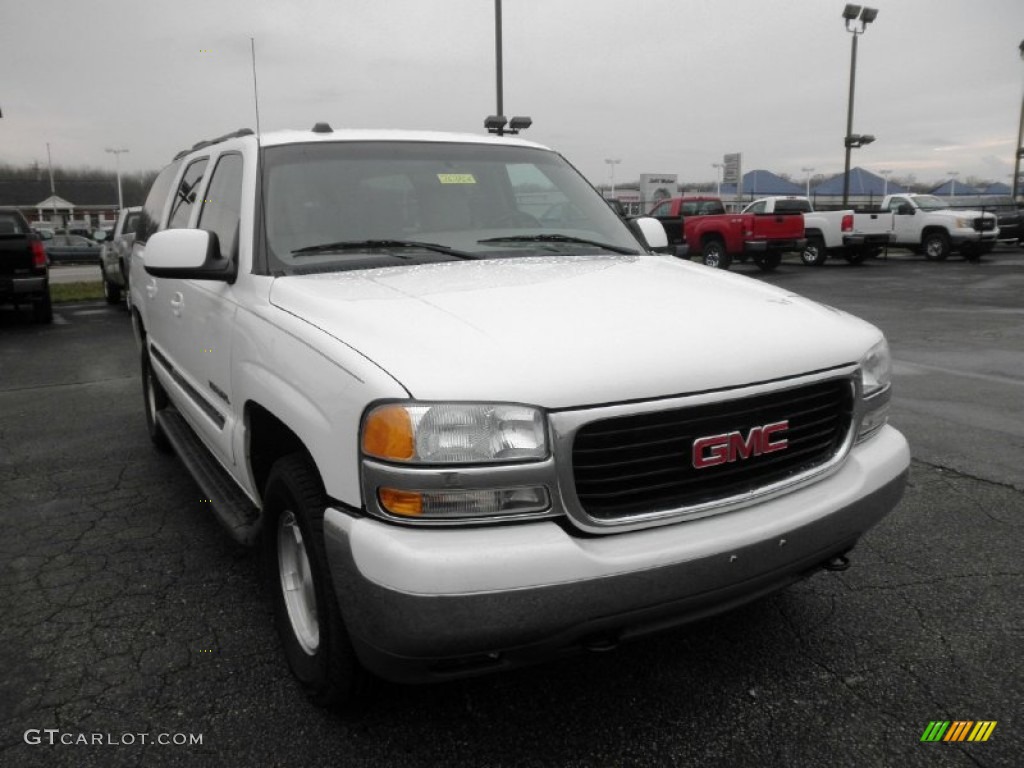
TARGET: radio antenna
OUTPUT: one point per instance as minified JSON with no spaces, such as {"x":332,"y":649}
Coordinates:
{"x":259,"y":251}
{"x":255,"y":90}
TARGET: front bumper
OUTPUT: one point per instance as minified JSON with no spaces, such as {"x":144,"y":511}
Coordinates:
{"x":427,"y":604}
{"x":962,"y":237}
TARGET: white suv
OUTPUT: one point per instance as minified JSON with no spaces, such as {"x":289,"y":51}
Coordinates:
{"x":468,"y":435}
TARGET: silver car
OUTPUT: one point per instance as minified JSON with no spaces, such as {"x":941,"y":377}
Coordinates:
{"x":115,"y":255}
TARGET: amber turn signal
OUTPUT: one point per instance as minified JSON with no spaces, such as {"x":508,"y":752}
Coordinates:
{"x":401,"y":503}
{"x":387,"y":433}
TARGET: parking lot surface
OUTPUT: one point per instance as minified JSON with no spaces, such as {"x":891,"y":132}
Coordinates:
{"x":128,"y":614}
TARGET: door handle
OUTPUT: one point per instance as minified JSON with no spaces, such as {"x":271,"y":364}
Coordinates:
{"x":177,"y":302}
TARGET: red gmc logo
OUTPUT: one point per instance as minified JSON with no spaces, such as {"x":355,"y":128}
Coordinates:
{"x":723,"y":449}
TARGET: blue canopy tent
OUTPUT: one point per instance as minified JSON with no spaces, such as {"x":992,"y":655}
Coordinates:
{"x":759,"y":183}
{"x":862,"y":184}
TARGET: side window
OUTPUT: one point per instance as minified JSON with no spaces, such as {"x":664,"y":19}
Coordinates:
{"x":661,"y":209}
{"x":149,"y":218}
{"x":185,"y":197}
{"x":221,"y":212}
{"x":757,"y":207}
{"x":895,"y":203}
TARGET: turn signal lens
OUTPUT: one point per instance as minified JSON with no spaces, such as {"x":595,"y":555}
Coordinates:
{"x":401,"y":503}
{"x":388,"y":434}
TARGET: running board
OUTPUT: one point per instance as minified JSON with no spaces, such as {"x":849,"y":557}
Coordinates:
{"x":233,"y":509}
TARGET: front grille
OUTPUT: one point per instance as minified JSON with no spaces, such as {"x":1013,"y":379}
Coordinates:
{"x":984,"y":224}
{"x":642,"y":463}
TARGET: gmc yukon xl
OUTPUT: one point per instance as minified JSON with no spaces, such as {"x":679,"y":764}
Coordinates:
{"x":466,"y":439}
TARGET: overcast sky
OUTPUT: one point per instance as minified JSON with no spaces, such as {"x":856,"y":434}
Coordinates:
{"x":667,"y":86}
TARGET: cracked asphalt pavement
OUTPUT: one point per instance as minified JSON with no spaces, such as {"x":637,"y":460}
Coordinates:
{"x":127,"y":615}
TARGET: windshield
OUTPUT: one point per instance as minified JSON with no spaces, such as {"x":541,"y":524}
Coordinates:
{"x":343,"y":205}
{"x":931,"y":203}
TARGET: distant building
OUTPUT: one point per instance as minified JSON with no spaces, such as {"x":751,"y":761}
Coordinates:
{"x":77,"y":204}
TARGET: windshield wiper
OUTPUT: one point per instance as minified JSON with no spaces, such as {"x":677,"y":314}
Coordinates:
{"x":554,"y":238}
{"x":363,"y":245}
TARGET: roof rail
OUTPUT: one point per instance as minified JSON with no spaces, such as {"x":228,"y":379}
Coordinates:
{"x":211,"y":142}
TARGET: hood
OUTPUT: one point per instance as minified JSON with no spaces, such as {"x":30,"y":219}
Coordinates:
{"x":565,"y":331}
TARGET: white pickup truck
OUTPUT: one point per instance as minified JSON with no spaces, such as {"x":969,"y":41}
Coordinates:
{"x":926,"y":224}
{"x":466,"y":438}
{"x":854,"y":236}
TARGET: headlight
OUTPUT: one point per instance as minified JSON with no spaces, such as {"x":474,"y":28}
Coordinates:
{"x":454,"y":433}
{"x":876,"y":375}
{"x":876,"y":369}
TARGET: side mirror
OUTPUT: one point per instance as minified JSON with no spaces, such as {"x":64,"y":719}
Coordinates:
{"x":187,"y":254}
{"x":653,"y":233}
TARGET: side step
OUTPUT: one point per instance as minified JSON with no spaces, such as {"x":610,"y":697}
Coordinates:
{"x":233,"y":508}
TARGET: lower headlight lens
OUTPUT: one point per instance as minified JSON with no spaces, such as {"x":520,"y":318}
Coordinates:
{"x":876,"y":369}
{"x":454,"y":433}
{"x":462,"y":504}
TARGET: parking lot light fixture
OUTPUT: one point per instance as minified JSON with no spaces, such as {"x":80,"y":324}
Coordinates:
{"x":117,"y":155}
{"x":885,"y":173}
{"x":808,"y":171}
{"x":719,"y":170}
{"x":611,"y":171}
{"x":952,"y":182}
{"x":1019,"y":149}
{"x":856,"y":18}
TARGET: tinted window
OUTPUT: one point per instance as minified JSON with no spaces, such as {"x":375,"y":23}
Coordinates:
{"x":185,"y":197}
{"x":11,"y":225}
{"x":792,"y":206}
{"x":131,"y":222}
{"x":149,"y":218}
{"x":223,"y":204}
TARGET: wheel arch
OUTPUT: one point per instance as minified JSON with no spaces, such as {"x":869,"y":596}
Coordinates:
{"x":267,"y":439}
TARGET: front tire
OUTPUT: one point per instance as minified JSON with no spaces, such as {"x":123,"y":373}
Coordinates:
{"x":714,"y":254}
{"x":935,"y":246}
{"x":814,"y":254}
{"x":306,"y":609}
{"x":42,"y":309}
{"x":154,"y":400}
{"x":768,"y":262}
{"x":111,"y":292}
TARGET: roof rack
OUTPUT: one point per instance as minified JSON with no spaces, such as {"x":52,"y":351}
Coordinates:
{"x":211,"y":142}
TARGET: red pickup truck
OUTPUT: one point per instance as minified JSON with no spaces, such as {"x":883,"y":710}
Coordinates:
{"x":719,"y":237}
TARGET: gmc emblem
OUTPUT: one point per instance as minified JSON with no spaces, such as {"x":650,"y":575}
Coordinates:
{"x":723,"y":449}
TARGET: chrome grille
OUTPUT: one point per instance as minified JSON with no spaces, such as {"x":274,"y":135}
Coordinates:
{"x":642,"y":463}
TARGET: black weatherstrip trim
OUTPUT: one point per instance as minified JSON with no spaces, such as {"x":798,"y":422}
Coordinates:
{"x":204,"y":405}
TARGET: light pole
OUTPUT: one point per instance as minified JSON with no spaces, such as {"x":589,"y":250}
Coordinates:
{"x":611,"y":172}
{"x":952,"y":182}
{"x":808,"y":171}
{"x":718,"y":178}
{"x":885,"y":173}
{"x":117,"y":154}
{"x":853,"y":14}
{"x":1019,"y":151}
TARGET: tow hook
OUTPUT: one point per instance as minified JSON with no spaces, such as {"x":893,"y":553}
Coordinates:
{"x":837,"y":563}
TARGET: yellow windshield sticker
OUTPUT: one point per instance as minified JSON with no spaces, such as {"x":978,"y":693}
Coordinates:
{"x":456,"y":178}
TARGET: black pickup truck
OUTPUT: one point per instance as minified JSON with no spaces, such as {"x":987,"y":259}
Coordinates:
{"x":24,"y":267}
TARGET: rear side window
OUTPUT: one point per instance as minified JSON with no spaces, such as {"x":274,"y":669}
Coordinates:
{"x":11,"y":225}
{"x":131,"y":223}
{"x":185,"y":197}
{"x":149,"y":218}
{"x":222,"y":207}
